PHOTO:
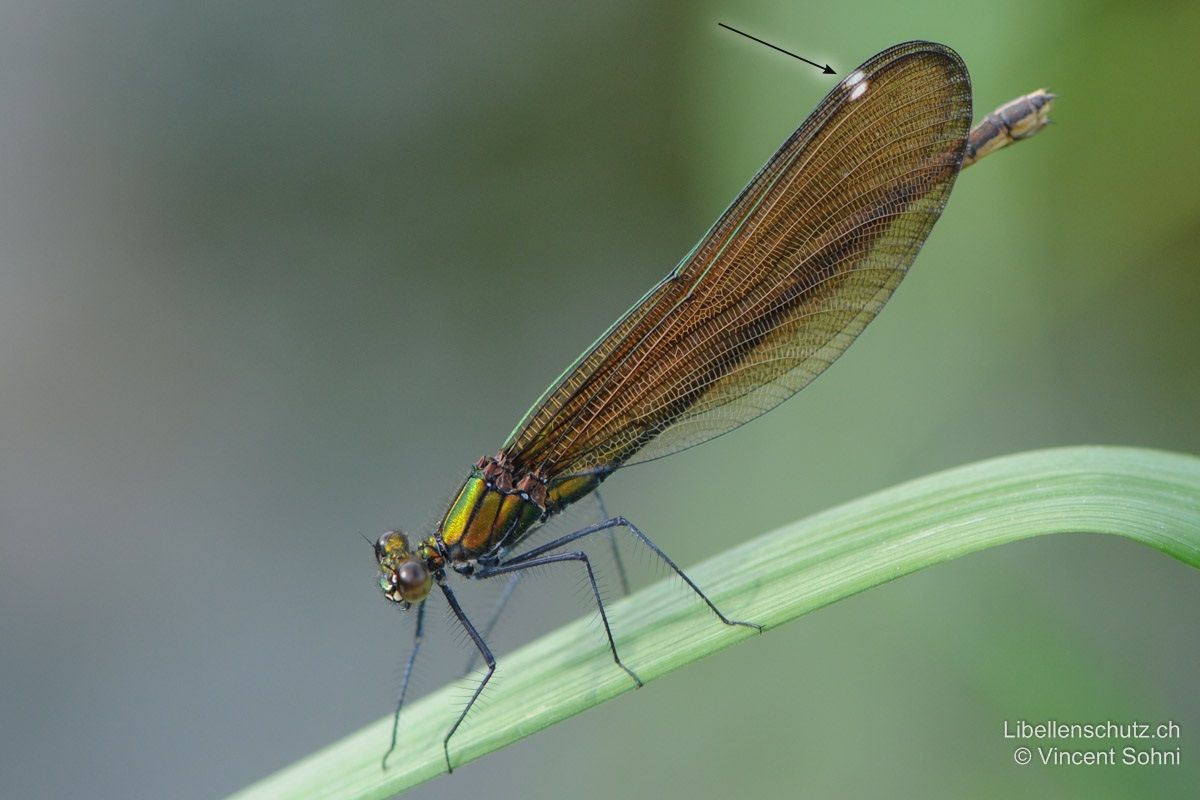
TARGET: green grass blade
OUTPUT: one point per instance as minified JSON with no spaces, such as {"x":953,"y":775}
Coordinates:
{"x":1149,"y":496}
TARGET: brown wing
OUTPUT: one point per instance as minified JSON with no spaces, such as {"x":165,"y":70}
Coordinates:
{"x":777,"y":289}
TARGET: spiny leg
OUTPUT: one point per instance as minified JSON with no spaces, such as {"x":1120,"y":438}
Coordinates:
{"x":510,"y":587}
{"x":621,"y":522}
{"x":530,"y":563}
{"x":408,"y":668}
{"x":612,"y":541}
{"x":505,"y":595}
{"x":488,"y":658}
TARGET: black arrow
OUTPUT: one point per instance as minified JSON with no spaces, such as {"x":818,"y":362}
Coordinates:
{"x":828,"y":70}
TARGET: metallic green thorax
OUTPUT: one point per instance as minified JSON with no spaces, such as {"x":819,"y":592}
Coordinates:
{"x":495,"y":509}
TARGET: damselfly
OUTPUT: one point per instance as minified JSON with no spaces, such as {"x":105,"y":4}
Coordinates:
{"x":776,"y":290}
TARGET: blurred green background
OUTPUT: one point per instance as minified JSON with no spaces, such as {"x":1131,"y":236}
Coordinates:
{"x":275,"y":274}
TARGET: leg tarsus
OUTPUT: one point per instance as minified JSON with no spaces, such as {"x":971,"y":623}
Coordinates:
{"x":408,"y":667}
{"x":487,"y":657}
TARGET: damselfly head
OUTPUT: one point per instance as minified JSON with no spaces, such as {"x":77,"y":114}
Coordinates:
{"x":403,"y":574}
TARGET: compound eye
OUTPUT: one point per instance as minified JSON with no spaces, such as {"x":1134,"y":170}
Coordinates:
{"x":392,"y":543}
{"x":413,"y":581}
